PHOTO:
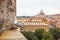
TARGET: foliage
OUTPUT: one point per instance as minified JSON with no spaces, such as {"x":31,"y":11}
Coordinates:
{"x":55,"y":33}
{"x":34,"y":38}
{"x":38,"y":33}
{"x":28,"y":35}
{"x":47,"y":36}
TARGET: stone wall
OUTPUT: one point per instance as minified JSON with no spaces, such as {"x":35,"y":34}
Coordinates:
{"x":7,"y":14}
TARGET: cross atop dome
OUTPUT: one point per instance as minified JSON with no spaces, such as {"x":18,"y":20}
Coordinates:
{"x":41,"y":12}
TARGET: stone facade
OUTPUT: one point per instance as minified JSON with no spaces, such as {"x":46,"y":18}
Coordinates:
{"x":7,"y":14}
{"x":36,"y":22}
{"x":8,"y":29}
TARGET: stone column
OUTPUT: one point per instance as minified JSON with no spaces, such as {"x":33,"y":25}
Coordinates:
{"x":7,"y":16}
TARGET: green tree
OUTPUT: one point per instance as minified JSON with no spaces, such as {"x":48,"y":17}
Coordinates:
{"x":55,"y":32}
{"x":38,"y":33}
{"x":28,"y":34}
{"x":47,"y":36}
{"x":34,"y":38}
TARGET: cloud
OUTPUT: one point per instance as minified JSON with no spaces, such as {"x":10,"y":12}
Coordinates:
{"x":27,"y":7}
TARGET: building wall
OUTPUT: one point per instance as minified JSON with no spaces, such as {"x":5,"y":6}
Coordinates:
{"x":7,"y":13}
{"x":34,"y":27}
{"x":35,"y":24}
{"x":58,"y":24}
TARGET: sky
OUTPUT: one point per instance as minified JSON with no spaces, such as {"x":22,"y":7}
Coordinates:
{"x":33,"y":7}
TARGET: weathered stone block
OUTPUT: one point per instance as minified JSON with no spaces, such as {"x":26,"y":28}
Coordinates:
{"x":7,"y":16}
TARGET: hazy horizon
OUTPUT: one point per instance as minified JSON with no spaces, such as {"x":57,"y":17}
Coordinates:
{"x":33,"y":7}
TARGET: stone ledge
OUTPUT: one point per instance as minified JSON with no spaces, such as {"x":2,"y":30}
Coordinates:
{"x":12,"y":35}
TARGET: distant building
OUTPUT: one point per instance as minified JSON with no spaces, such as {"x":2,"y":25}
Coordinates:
{"x":54,"y":20}
{"x":35,"y":22}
